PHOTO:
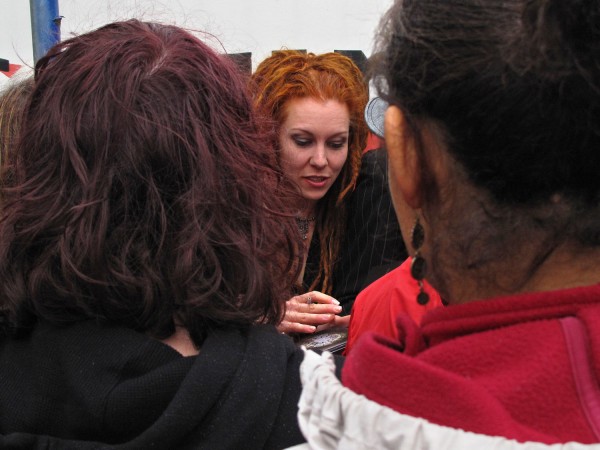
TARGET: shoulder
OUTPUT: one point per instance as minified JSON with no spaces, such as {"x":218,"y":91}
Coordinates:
{"x":374,"y":161}
{"x":373,"y":169}
{"x":382,"y":290}
{"x":332,"y":416}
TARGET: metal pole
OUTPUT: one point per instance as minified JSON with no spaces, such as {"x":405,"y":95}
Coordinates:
{"x":45,"y":26}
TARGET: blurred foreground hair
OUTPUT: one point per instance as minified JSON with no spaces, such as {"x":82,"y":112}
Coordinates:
{"x":146,"y":194}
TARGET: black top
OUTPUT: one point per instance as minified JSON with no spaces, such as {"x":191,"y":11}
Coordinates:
{"x":89,"y":386}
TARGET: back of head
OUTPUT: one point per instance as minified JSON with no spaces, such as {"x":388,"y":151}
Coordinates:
{"x":514,"y":84}
{"x":144,"y":190}
{"x":511,"y":92}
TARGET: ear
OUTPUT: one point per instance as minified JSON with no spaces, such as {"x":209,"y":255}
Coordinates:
{"x":403,"y":157}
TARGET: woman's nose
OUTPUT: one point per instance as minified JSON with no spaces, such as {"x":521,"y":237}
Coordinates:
{"x":319,"y":158}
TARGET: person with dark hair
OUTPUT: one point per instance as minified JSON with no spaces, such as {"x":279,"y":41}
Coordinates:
{"x":13,"y":98}
{"x":493,"y":139}
{"x":147,"y":251}
{"x":316,"y":105}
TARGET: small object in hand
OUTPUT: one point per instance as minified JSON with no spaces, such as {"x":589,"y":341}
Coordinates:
{"x":332,"y":340}
{"x":309,"y":300}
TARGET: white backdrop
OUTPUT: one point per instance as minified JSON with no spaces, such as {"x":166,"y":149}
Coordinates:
{"x":257,"y":26}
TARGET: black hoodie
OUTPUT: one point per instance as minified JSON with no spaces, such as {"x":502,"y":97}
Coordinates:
{"x":90,"y":386}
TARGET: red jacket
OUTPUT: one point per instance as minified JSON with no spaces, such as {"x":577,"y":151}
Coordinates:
{"x":525,"y":367}
{"x":378,"y":305}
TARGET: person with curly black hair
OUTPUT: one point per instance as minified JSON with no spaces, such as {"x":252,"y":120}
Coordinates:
{"x":493,"y":139}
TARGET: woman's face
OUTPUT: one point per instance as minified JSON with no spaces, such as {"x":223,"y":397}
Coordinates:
{"x":314,"y":144}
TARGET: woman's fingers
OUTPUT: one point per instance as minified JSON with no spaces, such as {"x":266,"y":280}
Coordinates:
{"x":338,"y":321}
{"x":309,"y":318}
{"x":305,"y":312}
{"x":294,"y":327}
{"x":314,"y":302}
{"x":341,"y":321}
{"x":316,"y":297}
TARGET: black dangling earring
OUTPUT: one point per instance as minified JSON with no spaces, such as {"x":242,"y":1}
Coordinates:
{"x":418,"y":266}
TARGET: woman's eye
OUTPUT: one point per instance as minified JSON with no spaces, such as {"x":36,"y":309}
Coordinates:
{"x":302,"y":142}
{"x":336,"y":144}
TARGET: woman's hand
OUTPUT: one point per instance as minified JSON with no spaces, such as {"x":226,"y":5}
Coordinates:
{"x":338,"y":321}
{"x":304,"y":313}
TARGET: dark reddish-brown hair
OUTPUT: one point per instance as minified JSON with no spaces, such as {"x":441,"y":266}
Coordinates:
{"x":145,"y":192}
{"x":13,"y":100}
{"x":290,"y":74}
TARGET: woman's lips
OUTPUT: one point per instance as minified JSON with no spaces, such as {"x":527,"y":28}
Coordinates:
{"x":315,"y":181}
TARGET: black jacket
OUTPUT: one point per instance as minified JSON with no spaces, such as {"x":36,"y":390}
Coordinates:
{"x":89,"y":386}
{"x":373,"y":244}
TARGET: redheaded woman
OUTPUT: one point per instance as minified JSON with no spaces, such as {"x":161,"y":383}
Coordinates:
{"x":316,"y":104}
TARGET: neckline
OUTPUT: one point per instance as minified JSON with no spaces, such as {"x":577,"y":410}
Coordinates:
{"x":303,"y":224}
